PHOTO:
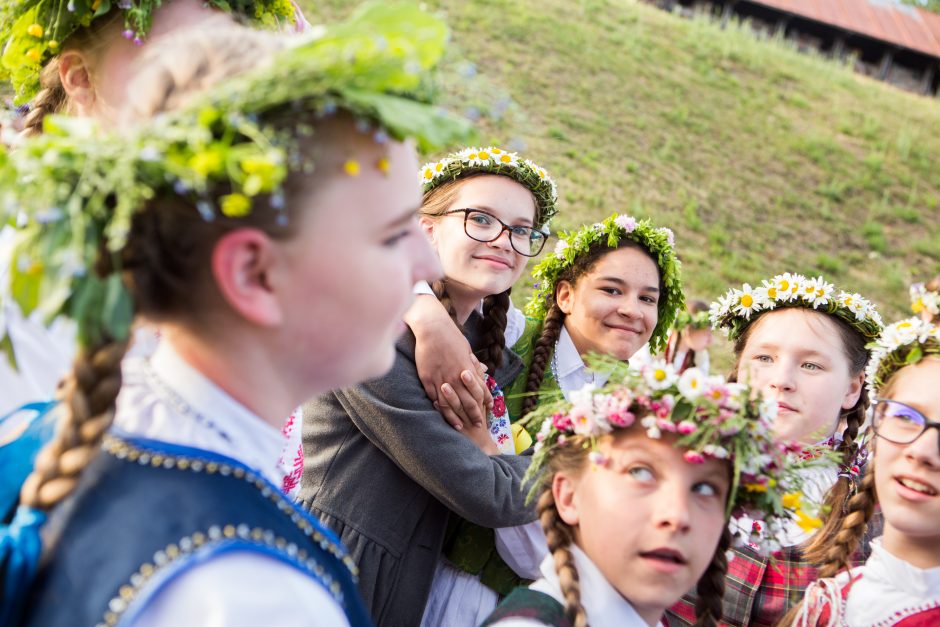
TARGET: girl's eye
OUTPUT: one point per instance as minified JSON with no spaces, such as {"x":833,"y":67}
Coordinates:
{"x":641,"y":473}
{"x":649,"y":299}
{"x":705,"y":489}
{"x":394,"y":240}
{"x":811,"y":366}
{"x":764,"y":359}
{"x":481,"y":219}
{"x":613,"y":291}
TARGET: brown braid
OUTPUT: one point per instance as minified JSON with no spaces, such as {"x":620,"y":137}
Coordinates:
{"x":853,"y":523}
{"x":710,"y":589}
{"x":89,"y":392}
{"x":852,"y":520}
{"x":50,"y":99}
{"x":541,"y":354}
{"x":559,"y":538}
{"x":495,"y":310}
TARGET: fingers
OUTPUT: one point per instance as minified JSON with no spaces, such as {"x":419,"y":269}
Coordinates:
{"x":450,"y":417}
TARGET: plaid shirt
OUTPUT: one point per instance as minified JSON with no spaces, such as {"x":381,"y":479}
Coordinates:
{"x":760,"y":593}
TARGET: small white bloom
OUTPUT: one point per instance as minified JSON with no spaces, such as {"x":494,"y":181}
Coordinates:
{"x":692,"y":383}
{"x":659,"y":375}
{"x":560,"y":249}
{"x":627,"y":223}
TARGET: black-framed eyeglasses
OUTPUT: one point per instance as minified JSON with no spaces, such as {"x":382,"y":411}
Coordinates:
{"x":899,"y":423}
{"x":484,"y":227}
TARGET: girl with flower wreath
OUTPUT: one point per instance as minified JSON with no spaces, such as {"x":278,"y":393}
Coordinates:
{"x":802,"y":343}
{"x":899,"y":584}
{"x":925,"y":300}
{"x":690,"y":338}
{"x":222,"y":222}
{"x":635,"y":483}
{"x":76,"y":56}
{"x":609,"y":288}
{"x":416,"y":500}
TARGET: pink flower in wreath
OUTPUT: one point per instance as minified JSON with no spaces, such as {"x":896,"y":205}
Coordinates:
{"x":693,"y":457}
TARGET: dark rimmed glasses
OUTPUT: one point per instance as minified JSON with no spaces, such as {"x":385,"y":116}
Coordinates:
{"x":899,"y":423}
{"x":484,"y":227}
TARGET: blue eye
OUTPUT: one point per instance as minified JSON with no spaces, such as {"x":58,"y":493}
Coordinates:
{"x":481,"y":219}
{"x":705,"y":489}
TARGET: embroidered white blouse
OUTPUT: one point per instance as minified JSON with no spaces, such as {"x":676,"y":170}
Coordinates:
{"x":603,"y":604}
{"x":889,"y":589}
{"x":166,"y":399}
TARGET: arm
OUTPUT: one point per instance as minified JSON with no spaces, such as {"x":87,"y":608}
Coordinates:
{"x":397,"y":417}
{"x":448,"y":370}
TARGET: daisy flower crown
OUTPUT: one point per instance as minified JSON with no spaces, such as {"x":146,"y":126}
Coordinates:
{"x":227,"y":154}
{"x":735,"y":311}
{"x":901,"y":344}
{"x":32,"y":31}
{"x":571,"y":245}
{"x":711,"y":418}
{"x":923,"y":299}
{"x":492,"y":160}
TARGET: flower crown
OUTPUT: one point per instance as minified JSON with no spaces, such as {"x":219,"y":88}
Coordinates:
{"x":77,"y":191}
{"x":34,"y":30}
{"x":571,"y":245}
{"x":923,"y":299}
{"x":698,"y":320}
{"x":711,"y":418}
{"x":901,"y":344}
{"x":493,"y":160}
{"x":734,"y":311}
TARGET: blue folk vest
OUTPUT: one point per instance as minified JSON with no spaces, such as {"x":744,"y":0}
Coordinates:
{"x":146,"y":511}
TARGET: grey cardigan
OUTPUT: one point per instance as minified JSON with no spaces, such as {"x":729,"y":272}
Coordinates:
{"x":384,"y":470}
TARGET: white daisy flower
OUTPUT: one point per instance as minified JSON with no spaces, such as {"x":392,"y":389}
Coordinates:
{"x":659,"y":375}
{"x":692,"y":383}
{"x":746,"y":301}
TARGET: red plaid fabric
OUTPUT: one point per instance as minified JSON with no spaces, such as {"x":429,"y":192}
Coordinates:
{"x":760,"y":593}
{"x":756,"y":591}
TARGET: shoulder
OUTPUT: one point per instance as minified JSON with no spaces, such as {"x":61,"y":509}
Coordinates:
{"x":238,"y":589}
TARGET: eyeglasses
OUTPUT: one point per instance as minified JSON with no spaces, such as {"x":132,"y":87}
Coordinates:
{"x":483,"y":227}
{"x":899,"y":423}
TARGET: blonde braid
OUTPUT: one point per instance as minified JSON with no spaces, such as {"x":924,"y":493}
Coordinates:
{"x":89,"y":392}
{"x":50,"y":99}
{"x":559,"y":537}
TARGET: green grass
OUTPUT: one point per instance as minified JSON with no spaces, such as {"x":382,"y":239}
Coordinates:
{"x":760,"y":158}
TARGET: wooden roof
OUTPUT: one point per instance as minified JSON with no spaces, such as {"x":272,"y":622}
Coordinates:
{"x":885,"y":20}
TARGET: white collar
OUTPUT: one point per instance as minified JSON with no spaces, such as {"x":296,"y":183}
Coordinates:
{"x":886,"y":569}
{"x":567,"y":358}
{"x":215,"y":421}
{"x":604,"y":606}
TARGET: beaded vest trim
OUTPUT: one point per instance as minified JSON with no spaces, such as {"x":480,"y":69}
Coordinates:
{"x":218,"y":537}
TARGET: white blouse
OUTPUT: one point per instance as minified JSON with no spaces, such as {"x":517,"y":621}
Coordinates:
{"x":603,"y":604}
{"x":901,"y":590}
{"x":166,"y":399}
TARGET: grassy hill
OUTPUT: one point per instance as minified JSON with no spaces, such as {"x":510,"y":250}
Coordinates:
{"x":761,"y":159}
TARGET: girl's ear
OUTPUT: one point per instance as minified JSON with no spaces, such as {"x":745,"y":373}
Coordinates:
{"x":244,"y":261}
{"x":427,"y":225}
{"x":564,"y":489}
{"x":564,"y":296}
{"x":854,"y":391}
{"x":75,"y":75}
